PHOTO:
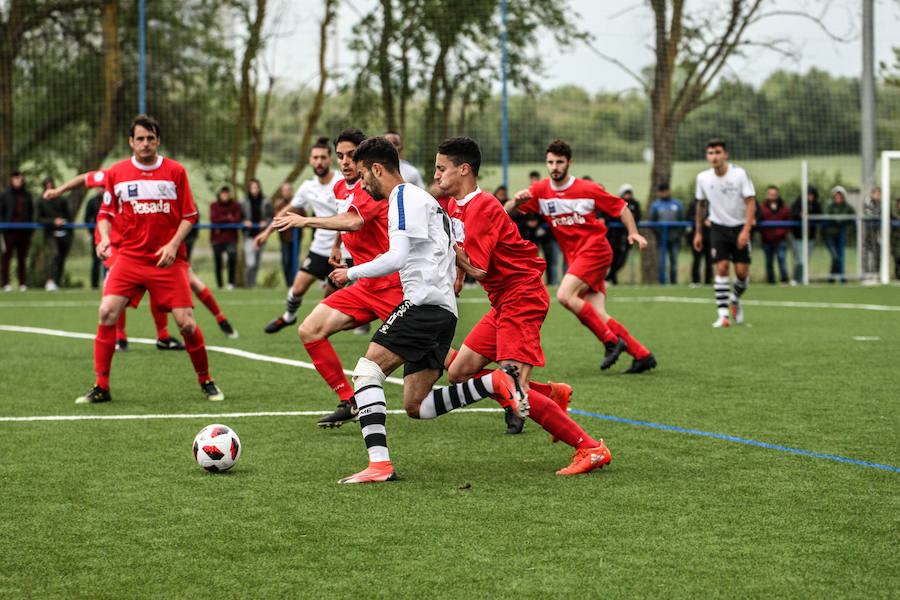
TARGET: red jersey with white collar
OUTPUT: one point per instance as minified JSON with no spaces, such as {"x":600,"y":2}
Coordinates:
{"x":146,"y":204}
{"x":570,"y":210}
{"x":372,"y":238}
{"x":493,"y":244}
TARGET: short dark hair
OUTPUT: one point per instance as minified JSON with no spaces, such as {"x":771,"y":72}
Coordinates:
{"x":322,"y":142}
{"x":378,"y":150}
{"x":145,"y":121}
{"x":559,"y":148}
{"x":224,"y":188}
{"x":534,"y":174}
{"x":354,"y":136}
{"x":663,"y":187}
{"x":773,"y":187}
{"x":717,"y":143}
{"x":462,"y":150}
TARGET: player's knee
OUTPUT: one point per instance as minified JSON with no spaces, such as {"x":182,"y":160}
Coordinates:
{"x":563,"y":298}
{"x":187,"y":327}
{"x":108,"y":316}
{"x":412,"y":410}
{"x":309,"y":332}
{"x":366,"y":374}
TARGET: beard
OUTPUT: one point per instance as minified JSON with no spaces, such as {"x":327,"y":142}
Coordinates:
{"x":561,"y":177}
{"x":374,"y":188}
{"x":320,"y":170}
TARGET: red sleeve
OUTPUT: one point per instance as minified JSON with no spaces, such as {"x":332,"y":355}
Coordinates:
{"x":368,"y":208}
{"x":95,"y":178}
{"x":186,"y":198}
{"x":603,"y":200}
{"x":110,"y":203}
{"x":531,"y":205}
{"x":483,"y":231}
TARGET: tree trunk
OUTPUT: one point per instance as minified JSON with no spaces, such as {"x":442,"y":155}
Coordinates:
{"x":246,"y":100}
{"x":9,"y":44}
{"x":433,"y":111}
{"x":384,"y":66}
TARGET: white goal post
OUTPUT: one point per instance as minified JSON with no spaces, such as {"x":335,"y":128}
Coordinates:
{"x":886,"y":205}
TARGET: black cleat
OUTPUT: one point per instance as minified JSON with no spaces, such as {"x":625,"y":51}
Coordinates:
{"x":169,"y":343}
{"x":613,"y":350}
{"x":122,"y":345}
{"x":345,"y":412}
{"x":514,"y":423}
{"x":97,"y":394}
{"x":212,"y":391}
{"x":227,"y":329}
{"x":278,"y":324}
{"x":639,"y":365}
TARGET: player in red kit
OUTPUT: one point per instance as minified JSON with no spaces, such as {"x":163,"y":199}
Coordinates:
{"x":362,"y":222}
{"x":569,"y":204}
{"x":149,"y":199}
{"x":490,"y":249}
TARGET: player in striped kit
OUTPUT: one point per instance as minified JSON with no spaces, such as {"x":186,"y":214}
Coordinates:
{"x":569,"y":204}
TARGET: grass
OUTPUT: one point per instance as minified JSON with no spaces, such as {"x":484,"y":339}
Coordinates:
{"x":117,"y":508}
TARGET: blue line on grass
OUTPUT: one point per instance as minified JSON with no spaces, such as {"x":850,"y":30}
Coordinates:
{"x":731,"y":438}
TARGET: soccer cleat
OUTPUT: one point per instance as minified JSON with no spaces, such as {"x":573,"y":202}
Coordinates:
{"x":721,"y":322}
{"x":212,"y":391}
{"x":375,"y":472}
{"x":227,"y":329}
{"x":514,"y":423}
{"x":345,"y":412}
{"x":122,"y":345}
{"x":737,"y":313}
{"x":613,"y":350}
{"x":587,"y":459}
{"x":362,"y":329}
{"x":560,"y":393}
{"x":639,"y":365}
{"x":276,"y":325}
{"x":169,"y":343}
{"x":507,"y":390}
{"x":95,"y":395}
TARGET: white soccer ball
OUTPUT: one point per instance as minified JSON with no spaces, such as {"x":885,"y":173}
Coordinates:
{"x":217,"y":448}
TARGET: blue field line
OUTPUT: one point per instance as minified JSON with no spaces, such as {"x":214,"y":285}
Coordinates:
{"x":732,"y":438}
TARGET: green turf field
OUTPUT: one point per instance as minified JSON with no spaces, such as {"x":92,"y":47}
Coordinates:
{"x":117,"y":508}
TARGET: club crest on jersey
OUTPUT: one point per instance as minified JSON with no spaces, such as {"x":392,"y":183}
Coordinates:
{"x":551,"y":207}
{"x":107,"y":198}
{"x":132,"y":190}
{"x":98,"y":176}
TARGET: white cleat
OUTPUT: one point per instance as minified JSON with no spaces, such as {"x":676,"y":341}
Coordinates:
{"x":721,"y":322}
{"x":737,"y":313}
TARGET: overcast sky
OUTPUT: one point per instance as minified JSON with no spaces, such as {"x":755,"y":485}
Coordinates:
{"x":622,"y":30}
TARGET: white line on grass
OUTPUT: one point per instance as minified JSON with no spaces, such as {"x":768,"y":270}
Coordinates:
{"x":292,"y":413}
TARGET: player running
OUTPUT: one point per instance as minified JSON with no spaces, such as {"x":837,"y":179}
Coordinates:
{"x":363,"y":225}
{"x":315,"y":193}
{"x":150,"y":200}
{"x":491,"y":251}
{"x":726,"y":193}
{"x":419,"y":330}
{"x":568,"y":204}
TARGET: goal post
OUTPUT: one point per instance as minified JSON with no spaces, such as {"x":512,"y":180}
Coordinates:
{"x":886,"y":204}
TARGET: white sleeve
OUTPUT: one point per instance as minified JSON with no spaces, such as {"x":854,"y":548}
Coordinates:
{"x":301,"y":198}
{"x":747,"y":187}
{"x":699,"y":195}
{"x":408,"y":213}
{"x":389,"y":262}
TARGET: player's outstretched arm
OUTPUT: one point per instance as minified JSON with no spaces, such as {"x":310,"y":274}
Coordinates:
{"x":633,"y":235}
{"x":516,"y":201}
{"x":348,"y":221}
{"x":75,"y":182}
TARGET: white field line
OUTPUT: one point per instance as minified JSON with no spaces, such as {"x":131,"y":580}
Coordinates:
{"x":222,"y":349}
{"x":294,"y":413}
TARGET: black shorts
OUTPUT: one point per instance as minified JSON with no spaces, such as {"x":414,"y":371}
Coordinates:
{"x":318,"y":265}
{"x":421,"y":335}
{"x":723,"y":244}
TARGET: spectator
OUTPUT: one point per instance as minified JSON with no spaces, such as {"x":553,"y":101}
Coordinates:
{"x":872,"y":232}
{"x":815,"y":208}
{"x":618,"y":236}
{"x":224,"y":211}
{"x":286,"y":238}
{"x":16,"y":206}
{"x":833,"y":231}
{"x":895,"y":239}
{"x":704,"y":255}
{"x":667,"y":208}
{"x":774,"y":239}
{"x":54,"y":214}
{"x":91,"y":209}
{"x":257,"y":212}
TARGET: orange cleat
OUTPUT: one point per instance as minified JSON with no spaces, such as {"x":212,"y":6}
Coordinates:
{"x":560,"y":393}
{"x":375,"y":472}
{"x":507,"y":390}
{"x":587,"y":459}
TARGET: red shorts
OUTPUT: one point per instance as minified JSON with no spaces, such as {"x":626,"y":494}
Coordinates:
{"x":365,"y":305}
{"x":591,"y":266}
{"x":135,"y":299}
{"x":131,"y":278}
{"x":512,"y":330}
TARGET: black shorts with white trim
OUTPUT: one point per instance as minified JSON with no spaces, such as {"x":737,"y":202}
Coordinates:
{"x":421,"y":335}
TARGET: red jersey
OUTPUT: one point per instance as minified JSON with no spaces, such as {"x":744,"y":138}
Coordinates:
{"x":570,"y":211}
{"x":372,"y":238}
{"x":494,"y":245}
{"x":98,"y":179}
{"x":146,"y":204}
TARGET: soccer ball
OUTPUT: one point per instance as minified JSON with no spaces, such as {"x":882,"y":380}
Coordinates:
{"x":217,"y":448}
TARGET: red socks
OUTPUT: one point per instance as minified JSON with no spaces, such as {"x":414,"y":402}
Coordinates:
{"x":120,"y":327}
{"x":160,"y":319}
{"x":590,"y":319}
{"x":635,"y":348}
{"x":541,"y":388}
{"x":104,"y":348}
{"x":196,"y":349}
{"x":329,"y":367}
{"x":207,"y":299}
{"x":546,"y":413}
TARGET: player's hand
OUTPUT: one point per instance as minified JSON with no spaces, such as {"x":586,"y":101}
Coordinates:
{"x":287,"y":221}
{"x":339,"y":276}
{"x":522,"y":197}
{"x":698,"y":242}
{"x":51,"y":193}
{"x":260,"y":239}
{"x":166,"y":256}
{"x":336,"y":259}
{"x":637,"y":238}
{"x":102,"y":249}
{"x":458,"y":284}
{"x":743,"y":239}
